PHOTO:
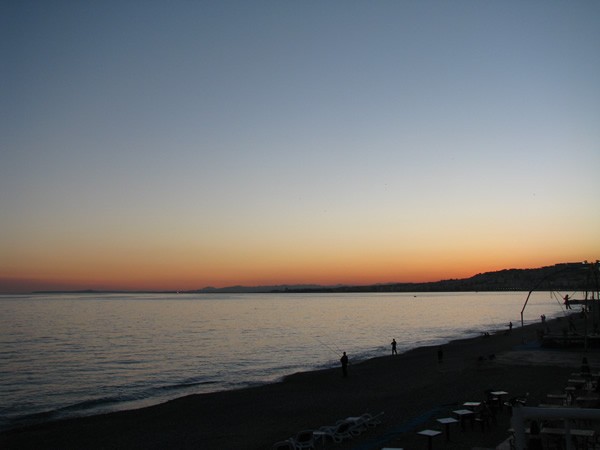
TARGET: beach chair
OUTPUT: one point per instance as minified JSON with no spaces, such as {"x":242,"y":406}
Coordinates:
{"x":363,"y":422}
{"x":304,"y":439}
{"x":339,"y":432}
{"x":372,"y":420}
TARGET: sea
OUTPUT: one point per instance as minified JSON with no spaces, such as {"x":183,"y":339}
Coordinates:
{"x":67,"y":355}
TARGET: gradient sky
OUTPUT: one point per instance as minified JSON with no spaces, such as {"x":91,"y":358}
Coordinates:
{"x":177,"y":145}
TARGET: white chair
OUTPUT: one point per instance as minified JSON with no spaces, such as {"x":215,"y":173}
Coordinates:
{"x":304,"y":439}
{"x":342,"y":430}
{"x":371,"y":420}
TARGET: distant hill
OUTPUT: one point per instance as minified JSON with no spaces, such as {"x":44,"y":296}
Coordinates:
{"x":567,"y":276}
{"x":560,"y":277}
{"x":258,"y":289}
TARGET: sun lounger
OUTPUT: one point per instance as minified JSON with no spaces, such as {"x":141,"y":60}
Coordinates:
{"x":357,"y":425}
{"x":372,"y":420}
{"x":350,"y":426}
{"x":339,"y":432}
{"x":304,"y":439}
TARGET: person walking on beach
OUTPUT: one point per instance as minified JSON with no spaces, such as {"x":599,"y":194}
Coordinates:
{"x":394,"y":352}
{"x":344,"y":361}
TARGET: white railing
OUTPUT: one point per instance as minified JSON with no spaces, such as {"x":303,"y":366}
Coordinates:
{"x":523,"y":413}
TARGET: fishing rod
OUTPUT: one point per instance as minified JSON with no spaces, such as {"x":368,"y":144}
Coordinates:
{"x":563,"y":310}
{"x":337,"y":352}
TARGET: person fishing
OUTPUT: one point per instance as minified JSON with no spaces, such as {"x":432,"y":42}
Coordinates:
{"x":344,"y":361}
{"x":567,"y":303}
{"x":394,"y":352}
{"x":337,"y":351}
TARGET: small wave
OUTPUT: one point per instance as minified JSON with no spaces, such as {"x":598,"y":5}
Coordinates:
{"x":142,"y":397}
{"x":64,"y":411}
{"x":184,"y":385}
{"x":8,"y":423}
{"x":96,"y":403}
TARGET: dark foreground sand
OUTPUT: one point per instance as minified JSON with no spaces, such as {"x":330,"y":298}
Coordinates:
{"x":412,"y":389}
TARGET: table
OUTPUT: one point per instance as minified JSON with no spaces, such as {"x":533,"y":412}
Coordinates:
{"x":499,"y":395}
{"x":462,"y":415}
{"x":446,"y":421}
{"x":430,"y":435}
{"x":560,"y":399}
{"x":472,"y":404}
{"x":557,"y":396}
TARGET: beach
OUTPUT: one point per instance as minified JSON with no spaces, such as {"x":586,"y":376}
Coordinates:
{"x":412,"y":389}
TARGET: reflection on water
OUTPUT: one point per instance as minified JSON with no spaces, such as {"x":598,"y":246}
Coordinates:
{"x":81,"y":354}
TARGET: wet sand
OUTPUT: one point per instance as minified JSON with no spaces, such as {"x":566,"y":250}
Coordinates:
{"x":412,"y":389}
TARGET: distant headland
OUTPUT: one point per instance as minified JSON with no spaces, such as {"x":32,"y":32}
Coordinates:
{"x":564,"y":276}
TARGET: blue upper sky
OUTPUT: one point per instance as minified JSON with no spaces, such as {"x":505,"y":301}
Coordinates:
{"x":240,"y":137}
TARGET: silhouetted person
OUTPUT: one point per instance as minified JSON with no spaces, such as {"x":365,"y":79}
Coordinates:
{"x":509,"y":327}
{"x":567,"y":303}
{"x":394,"y":352}
{"x":344,"y":361}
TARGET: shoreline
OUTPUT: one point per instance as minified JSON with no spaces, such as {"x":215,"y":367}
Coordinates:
{"x":403,"y":386}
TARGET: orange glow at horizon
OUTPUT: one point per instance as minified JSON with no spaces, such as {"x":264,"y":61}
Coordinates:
{"x":190,"y":275}
{"x":252,"y":257}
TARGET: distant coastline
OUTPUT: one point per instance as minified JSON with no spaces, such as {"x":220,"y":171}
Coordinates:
{"x":563,"y":276}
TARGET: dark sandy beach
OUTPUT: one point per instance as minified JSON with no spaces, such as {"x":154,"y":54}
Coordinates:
{"x":413,"y":389}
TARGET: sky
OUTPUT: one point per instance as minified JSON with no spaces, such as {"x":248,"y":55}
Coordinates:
{"x":182,"y":144}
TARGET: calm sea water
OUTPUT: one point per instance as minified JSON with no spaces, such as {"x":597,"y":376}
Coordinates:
{"x":82,"y":354}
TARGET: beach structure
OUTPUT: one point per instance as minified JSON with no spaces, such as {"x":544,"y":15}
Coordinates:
{"x":589,"y":302}
{"x":523,"y":413}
